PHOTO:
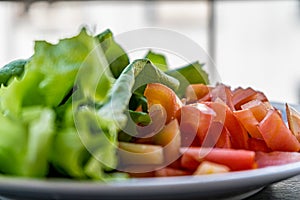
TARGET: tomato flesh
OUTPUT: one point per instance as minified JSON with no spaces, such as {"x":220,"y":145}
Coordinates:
{"x":276,"y":135}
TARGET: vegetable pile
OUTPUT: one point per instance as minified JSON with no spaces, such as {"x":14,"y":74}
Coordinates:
{"x":80,"y":109}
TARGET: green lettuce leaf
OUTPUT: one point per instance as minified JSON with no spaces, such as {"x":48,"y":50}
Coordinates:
{"x":25,"y":145}
{"x":190,"y":74}
{"x":114,"y":53}
{"x":159,"y":60}
{"x":12,"y":69}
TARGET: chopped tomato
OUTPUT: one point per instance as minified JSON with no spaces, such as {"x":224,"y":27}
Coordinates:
{"x":258,"y":108}
{"x":242,"y":96}
{"x":224,"y":93}
{"x":195,"y":92}
{"x":195,"y":120}
{"x":238,"y":134}
{"x":232,"y":158}
{"x":167,"y":171}
{"x":276,"y":135}
{"x":189,"y":162}
{"x":276,"y":158}
{"x":249,"y":122}
{"x":157,"y":93}
{"x":224,"y":139}
{"x":258,"y":145}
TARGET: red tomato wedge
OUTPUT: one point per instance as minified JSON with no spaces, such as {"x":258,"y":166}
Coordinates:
{"x":168,"y":171}
{"x":258,"y":145}
{"x":234,"y":159}
{"x":276,"y":158}
{"x":195,"y":92}
{"x":224,"y":139}
{"x":238,"y":134}
{"x":249,"y":122}
{"x":157,"y":93}
{"x":195,"y":120}
{"x":258,"y":108}
{"x":275,"y":133}
{"x":223,"y":93}
{"x":242,"y":96}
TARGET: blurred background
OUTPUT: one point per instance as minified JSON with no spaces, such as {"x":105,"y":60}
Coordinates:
{"x":253,"y":43}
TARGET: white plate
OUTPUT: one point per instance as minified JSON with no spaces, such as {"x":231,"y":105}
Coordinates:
{"x":234,"y":185}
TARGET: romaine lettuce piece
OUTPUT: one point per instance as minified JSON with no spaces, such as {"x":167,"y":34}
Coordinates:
{"x":12,"y":69}
{"x":190,"y":74}
{"x":159,"y":60}
{"x":25,"y":145}
{"x":116,"y":57}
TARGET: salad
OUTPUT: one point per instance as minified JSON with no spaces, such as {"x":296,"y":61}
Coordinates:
{"x":81,"y":109}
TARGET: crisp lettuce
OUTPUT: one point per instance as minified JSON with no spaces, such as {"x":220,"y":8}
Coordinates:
{"x":66,"y":106}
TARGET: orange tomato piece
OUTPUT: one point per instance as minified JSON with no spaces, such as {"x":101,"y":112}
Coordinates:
{"x":195,"y":92}
{"x":258,"y":108}
{"x":238,"y":134}
{"x":242,"y":96}
{"x":157,"y":93}
{"x":195,"y":120}
{"x":258,"y":145}
{"x":249,"y":122}
{"x":275,"y":133}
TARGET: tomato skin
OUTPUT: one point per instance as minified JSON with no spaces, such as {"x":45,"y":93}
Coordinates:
{"x":189,"y":162}
{"x":168,"y":171}
{"x":224,"y":93}
{"x":157,"y":93}
{"x":242,"y":96}
{"x":276,"y":158}
{"x":195,"y":120}
{"x":258,"y":108}
{"x":238,"y":134}
{"x":249,"y":122}
{"x":235,"y":159}
{"x":195,"y":92}
{"x":258,"y":145}
{"x":224,"y":139}
{"x":276,"y":134}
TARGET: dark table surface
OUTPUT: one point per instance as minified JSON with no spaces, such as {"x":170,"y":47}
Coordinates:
{"x":285,"y":190}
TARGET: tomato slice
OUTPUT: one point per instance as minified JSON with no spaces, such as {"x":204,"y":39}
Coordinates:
{"x":224,"y":139}
{"x":276,"y":158}
{"x":168,"y":171}
{"x":238,"y":134}
{"x":258,"y":145}
{"x":223,"y":93}
{"x":275,"y":133}
{"x":195,"y":92}
{"x":157,"y":93}
{"x":242,"y":96}
{"x":249,"y":122}
{"x":195,"y":120}
{"x":258,"y":108}
{"x":235,"y":159}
